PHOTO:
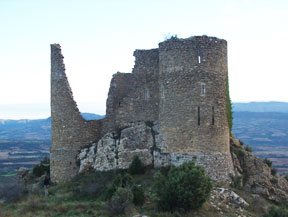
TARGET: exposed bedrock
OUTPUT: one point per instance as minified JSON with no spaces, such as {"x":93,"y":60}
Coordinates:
{"x":116,"y":150}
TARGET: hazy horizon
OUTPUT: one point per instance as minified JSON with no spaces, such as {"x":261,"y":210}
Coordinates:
{"x":42,"y":110}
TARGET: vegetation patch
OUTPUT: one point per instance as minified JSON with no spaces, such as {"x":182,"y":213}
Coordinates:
{"x":136,"y":167}
{"x":185,"y":187}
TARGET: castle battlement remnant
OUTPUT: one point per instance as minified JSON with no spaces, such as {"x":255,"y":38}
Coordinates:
{"x":181,"y":85}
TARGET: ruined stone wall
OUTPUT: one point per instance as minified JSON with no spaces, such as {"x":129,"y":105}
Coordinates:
{"x":134,"y":96}
{"x":191,"y":119}
{"x":181,"y":85}
{"x":68,"y":128}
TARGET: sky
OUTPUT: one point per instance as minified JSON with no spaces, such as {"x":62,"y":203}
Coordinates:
{"x":98,"y":39}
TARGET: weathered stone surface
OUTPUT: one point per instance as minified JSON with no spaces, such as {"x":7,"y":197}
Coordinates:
{"x":181,"y":85}
{"x":231,"y":196}
{"x":23,"y":173}
{"x":116,"y":150}
{"x":217,"y":165}
{"x":69,"y":130}
{"x":192,"y":82}
{"x":258,"y":179}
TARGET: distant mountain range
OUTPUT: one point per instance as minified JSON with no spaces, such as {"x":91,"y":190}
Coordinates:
{"x":261,"y":107}
{"x":25,"y":129}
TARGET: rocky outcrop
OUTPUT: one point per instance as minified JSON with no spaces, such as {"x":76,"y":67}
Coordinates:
{"x":257,"y":177}
{"x":116,"y":150}
{"x":230,"y":197}
{"x":23,"y":173}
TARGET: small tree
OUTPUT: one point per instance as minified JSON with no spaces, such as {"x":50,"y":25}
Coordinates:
{"x":119,"y":201}
{"x":136,"y":167}
{"x":248,"y":148}
{"x":42,"y":168}
{"x":268,"y":162}
{"x":186,"y":187}
{"x":277,"y":212}
{"x":273,"y":171}
{"x":120,"y":181}
{"x":138,"y":195}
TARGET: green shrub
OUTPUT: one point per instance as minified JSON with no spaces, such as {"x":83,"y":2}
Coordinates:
{"x":236,"y":181}
{"x":119,"y":201}
{"x":229,"y":112}
{"x":122,"y":181}
{"x":136,"y":167}
{"x":248,"y":148}
{"x":273,"y":171}
{"x":274,"y":180}
{"x":42,"y":168}
{"x":286,"y":177}
{"x":277,"y":212}
{"x":185,"y":187}
{"x":170,"y":36}
{"x":238,"y":151}
{"x":268,"y":162}
{"x":138,"y":195}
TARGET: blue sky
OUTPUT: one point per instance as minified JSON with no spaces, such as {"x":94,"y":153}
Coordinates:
{"x":98,"y":39}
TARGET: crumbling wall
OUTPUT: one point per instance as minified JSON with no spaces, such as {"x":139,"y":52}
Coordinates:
{"x":68,"y":128}
{"x":134,"y":96}
{"x":181,"y":85}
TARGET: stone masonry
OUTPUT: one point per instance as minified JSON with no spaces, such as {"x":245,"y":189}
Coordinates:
{"x":181,"y":85}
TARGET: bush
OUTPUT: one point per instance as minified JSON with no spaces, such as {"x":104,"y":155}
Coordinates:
{"x":185,"y":187}
{"x":42,"y":168}
{"x":286,"y":177}
{"x":273,"y":171}
{"x":274,"y":181}
{"x":170,"y":36}
{"x":119,"y":201}
{"x":122,"y":181}
{"x":229,"y":112}
{"x":248,"y":148}
{"x":136,"y":167}
{"x":236,"y":181}
{"x":138,"y":195}
{"x":277,"y":212}
{"x":268,"y":162}
{"x":238,"y":151}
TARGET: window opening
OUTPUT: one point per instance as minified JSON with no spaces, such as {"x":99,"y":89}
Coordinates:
{"x":198,"y":110}
{"x":162,"y":91}
{"x":203,"y":89}
{"x":147,"y":94}
{"x":213,"y":115}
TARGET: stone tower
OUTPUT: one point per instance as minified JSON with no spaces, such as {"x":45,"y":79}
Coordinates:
{"x":181,"y":86}
{"x":192,"y":82}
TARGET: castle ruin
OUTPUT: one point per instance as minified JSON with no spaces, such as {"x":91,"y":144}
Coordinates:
{"x":181,"y":85}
